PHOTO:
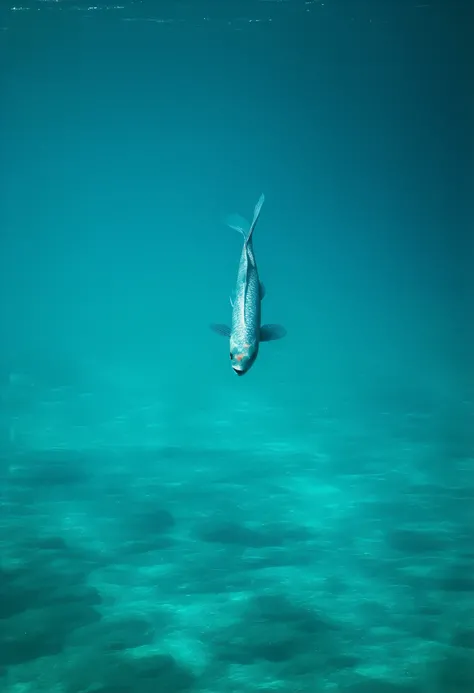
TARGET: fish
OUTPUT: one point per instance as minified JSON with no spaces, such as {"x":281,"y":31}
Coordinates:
{"x":247,"y":332}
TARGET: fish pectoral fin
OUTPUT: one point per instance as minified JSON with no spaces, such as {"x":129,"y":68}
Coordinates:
{"x":222,"y":330}
{"x":263,"y":290}
{"x":231,"y":301}
{"x":270,"y":333}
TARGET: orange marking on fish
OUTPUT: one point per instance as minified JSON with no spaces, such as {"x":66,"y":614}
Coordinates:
{"x":239,"y":357}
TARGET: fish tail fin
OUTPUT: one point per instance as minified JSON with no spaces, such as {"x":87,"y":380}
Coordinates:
{"x":238,"y":223}
{"x":256,"y":214}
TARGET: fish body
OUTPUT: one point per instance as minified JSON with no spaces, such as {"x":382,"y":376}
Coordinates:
{"x":246,"y":331}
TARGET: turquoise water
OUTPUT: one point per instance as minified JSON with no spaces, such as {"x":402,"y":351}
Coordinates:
{"x":167,"y":527}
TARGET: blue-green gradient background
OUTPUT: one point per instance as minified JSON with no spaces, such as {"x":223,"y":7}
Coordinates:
{"x":164,"y":525}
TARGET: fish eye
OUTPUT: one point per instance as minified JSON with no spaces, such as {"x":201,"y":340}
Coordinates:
{"x":231,"y":356}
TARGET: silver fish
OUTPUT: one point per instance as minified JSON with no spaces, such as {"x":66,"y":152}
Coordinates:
{"x":247,"y":332}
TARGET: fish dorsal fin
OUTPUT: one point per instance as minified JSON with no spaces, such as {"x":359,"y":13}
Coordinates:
{"x":246,"y":281}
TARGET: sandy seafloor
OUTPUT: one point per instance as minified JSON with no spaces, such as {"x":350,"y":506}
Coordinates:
{"x":341,"y":561}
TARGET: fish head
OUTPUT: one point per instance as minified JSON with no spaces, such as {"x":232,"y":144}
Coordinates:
{"x":242,"y":357}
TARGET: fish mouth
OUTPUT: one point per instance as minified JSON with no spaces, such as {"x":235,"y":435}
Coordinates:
{"x":236,"y":370}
